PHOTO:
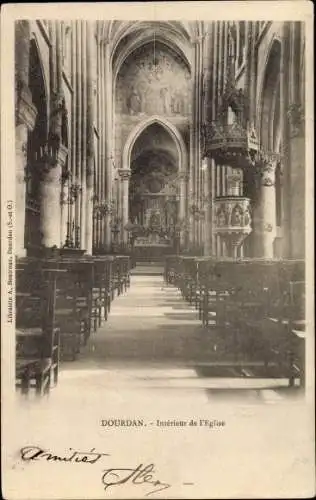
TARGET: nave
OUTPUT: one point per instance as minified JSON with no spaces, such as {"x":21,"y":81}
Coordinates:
{"x":142,"y":141}
{"x":154,"y":345}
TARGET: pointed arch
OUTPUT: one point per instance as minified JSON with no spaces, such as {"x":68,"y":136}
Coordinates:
{"x":170,"y":128}
{"x":269,"y":95}
{"x":268,"y":86}
{"x":35,"y":46}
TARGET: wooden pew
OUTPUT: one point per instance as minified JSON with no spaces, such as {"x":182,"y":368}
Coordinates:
{"x":37,"y":337}
{"x":74,"y":304}
{"x":253,"y":317}
{"x":284,"y":324}
{"x":81,"y":299}
{"x":84,"y":297}
{"x":252,"y":310}
{"x":120,"y":275}
{"x":102,"y":286}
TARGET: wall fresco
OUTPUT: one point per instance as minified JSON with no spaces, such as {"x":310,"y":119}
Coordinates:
{"x":153,"y":82}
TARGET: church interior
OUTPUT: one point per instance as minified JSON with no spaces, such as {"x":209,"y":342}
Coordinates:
{"x":160,"y":204}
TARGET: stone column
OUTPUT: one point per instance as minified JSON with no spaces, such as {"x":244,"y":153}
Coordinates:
{"x":199,"y":117}
{"x":294,"y":117}
{"x":208,"y":111}
{"x":90,"y":144}
{"x":183,"y":180}
{"x":64,"y":205}
{"x":251,"y":72}
{"x":208,"y":207}
{"x":124,"y":175}
{"x":195,"y":137}
{"x":83,"y":127}
{"x":109,"y":149}
{"x":182,"y":215}
{"x":297,"y":181}
{"x":25,"y":116}
{"x":193,"y":146}
{"x":265,"y":216}
{"x":51,"y":156}
{"x":50,"y":166}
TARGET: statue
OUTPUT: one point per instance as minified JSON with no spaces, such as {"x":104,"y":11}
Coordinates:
{"x":221,"y":218}
{"x":134,"y":102}
{"x":165,"y":96}
{"x":177,"y":104}
{"x":246,"y":218}
{"x":236,"y":216}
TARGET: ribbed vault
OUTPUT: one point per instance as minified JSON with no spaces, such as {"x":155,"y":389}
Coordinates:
{"x":126,"y":36}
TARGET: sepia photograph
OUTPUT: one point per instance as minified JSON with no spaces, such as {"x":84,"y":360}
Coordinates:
{"x":157,"y":184}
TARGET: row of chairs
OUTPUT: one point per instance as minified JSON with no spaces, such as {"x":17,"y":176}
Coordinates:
{"x":60,"y":301}
{"x":253,"y":311}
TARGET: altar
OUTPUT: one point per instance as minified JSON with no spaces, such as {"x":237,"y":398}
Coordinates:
{"x":154,"y":199}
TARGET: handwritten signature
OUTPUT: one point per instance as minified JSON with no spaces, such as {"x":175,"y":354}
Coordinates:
{"x":142,"y":474}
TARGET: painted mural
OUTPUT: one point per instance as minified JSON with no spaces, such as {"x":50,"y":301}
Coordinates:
{"x":153,"y":82}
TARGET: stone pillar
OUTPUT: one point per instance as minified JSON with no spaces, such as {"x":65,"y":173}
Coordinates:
{"x":294,"y":117}
{"x":108,"y":142}
{"x":25,"y":116}
{"x":89,"y":214}
{"x":64,"y":205}
{"x":83,"y":127}
{"x":208,"y":208}
{"x":297,"y":181}
{"x":208,"y":111}
{"x":251,"y":71}
{"x":105,"y":163}
{"x":90,"y":144}
{"x":182,"y":215}
{"x":51,"y":156}
{"x":194,"y":140}
{"x":286,"y":91}
{"x":265,"y":216}
{"x":124,"y":175}
{"x":199,"y":118}
{"x":50,"y":166}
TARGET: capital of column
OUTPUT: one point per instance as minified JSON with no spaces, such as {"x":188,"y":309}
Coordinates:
{"x":25,"y":111}
{"x":267,"y":174}
{"x":266,"y":168}
{"x":103,"y":209}
{"x":124,"y":173}
{"x":50,"y":156}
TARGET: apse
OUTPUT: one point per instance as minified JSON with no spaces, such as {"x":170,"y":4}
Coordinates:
{"x":153,"y":189}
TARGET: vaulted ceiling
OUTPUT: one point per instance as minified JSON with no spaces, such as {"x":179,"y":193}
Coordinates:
{"x":126,"y":36}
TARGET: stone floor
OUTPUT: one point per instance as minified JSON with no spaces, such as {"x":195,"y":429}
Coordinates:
{"x":154,"y":342}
